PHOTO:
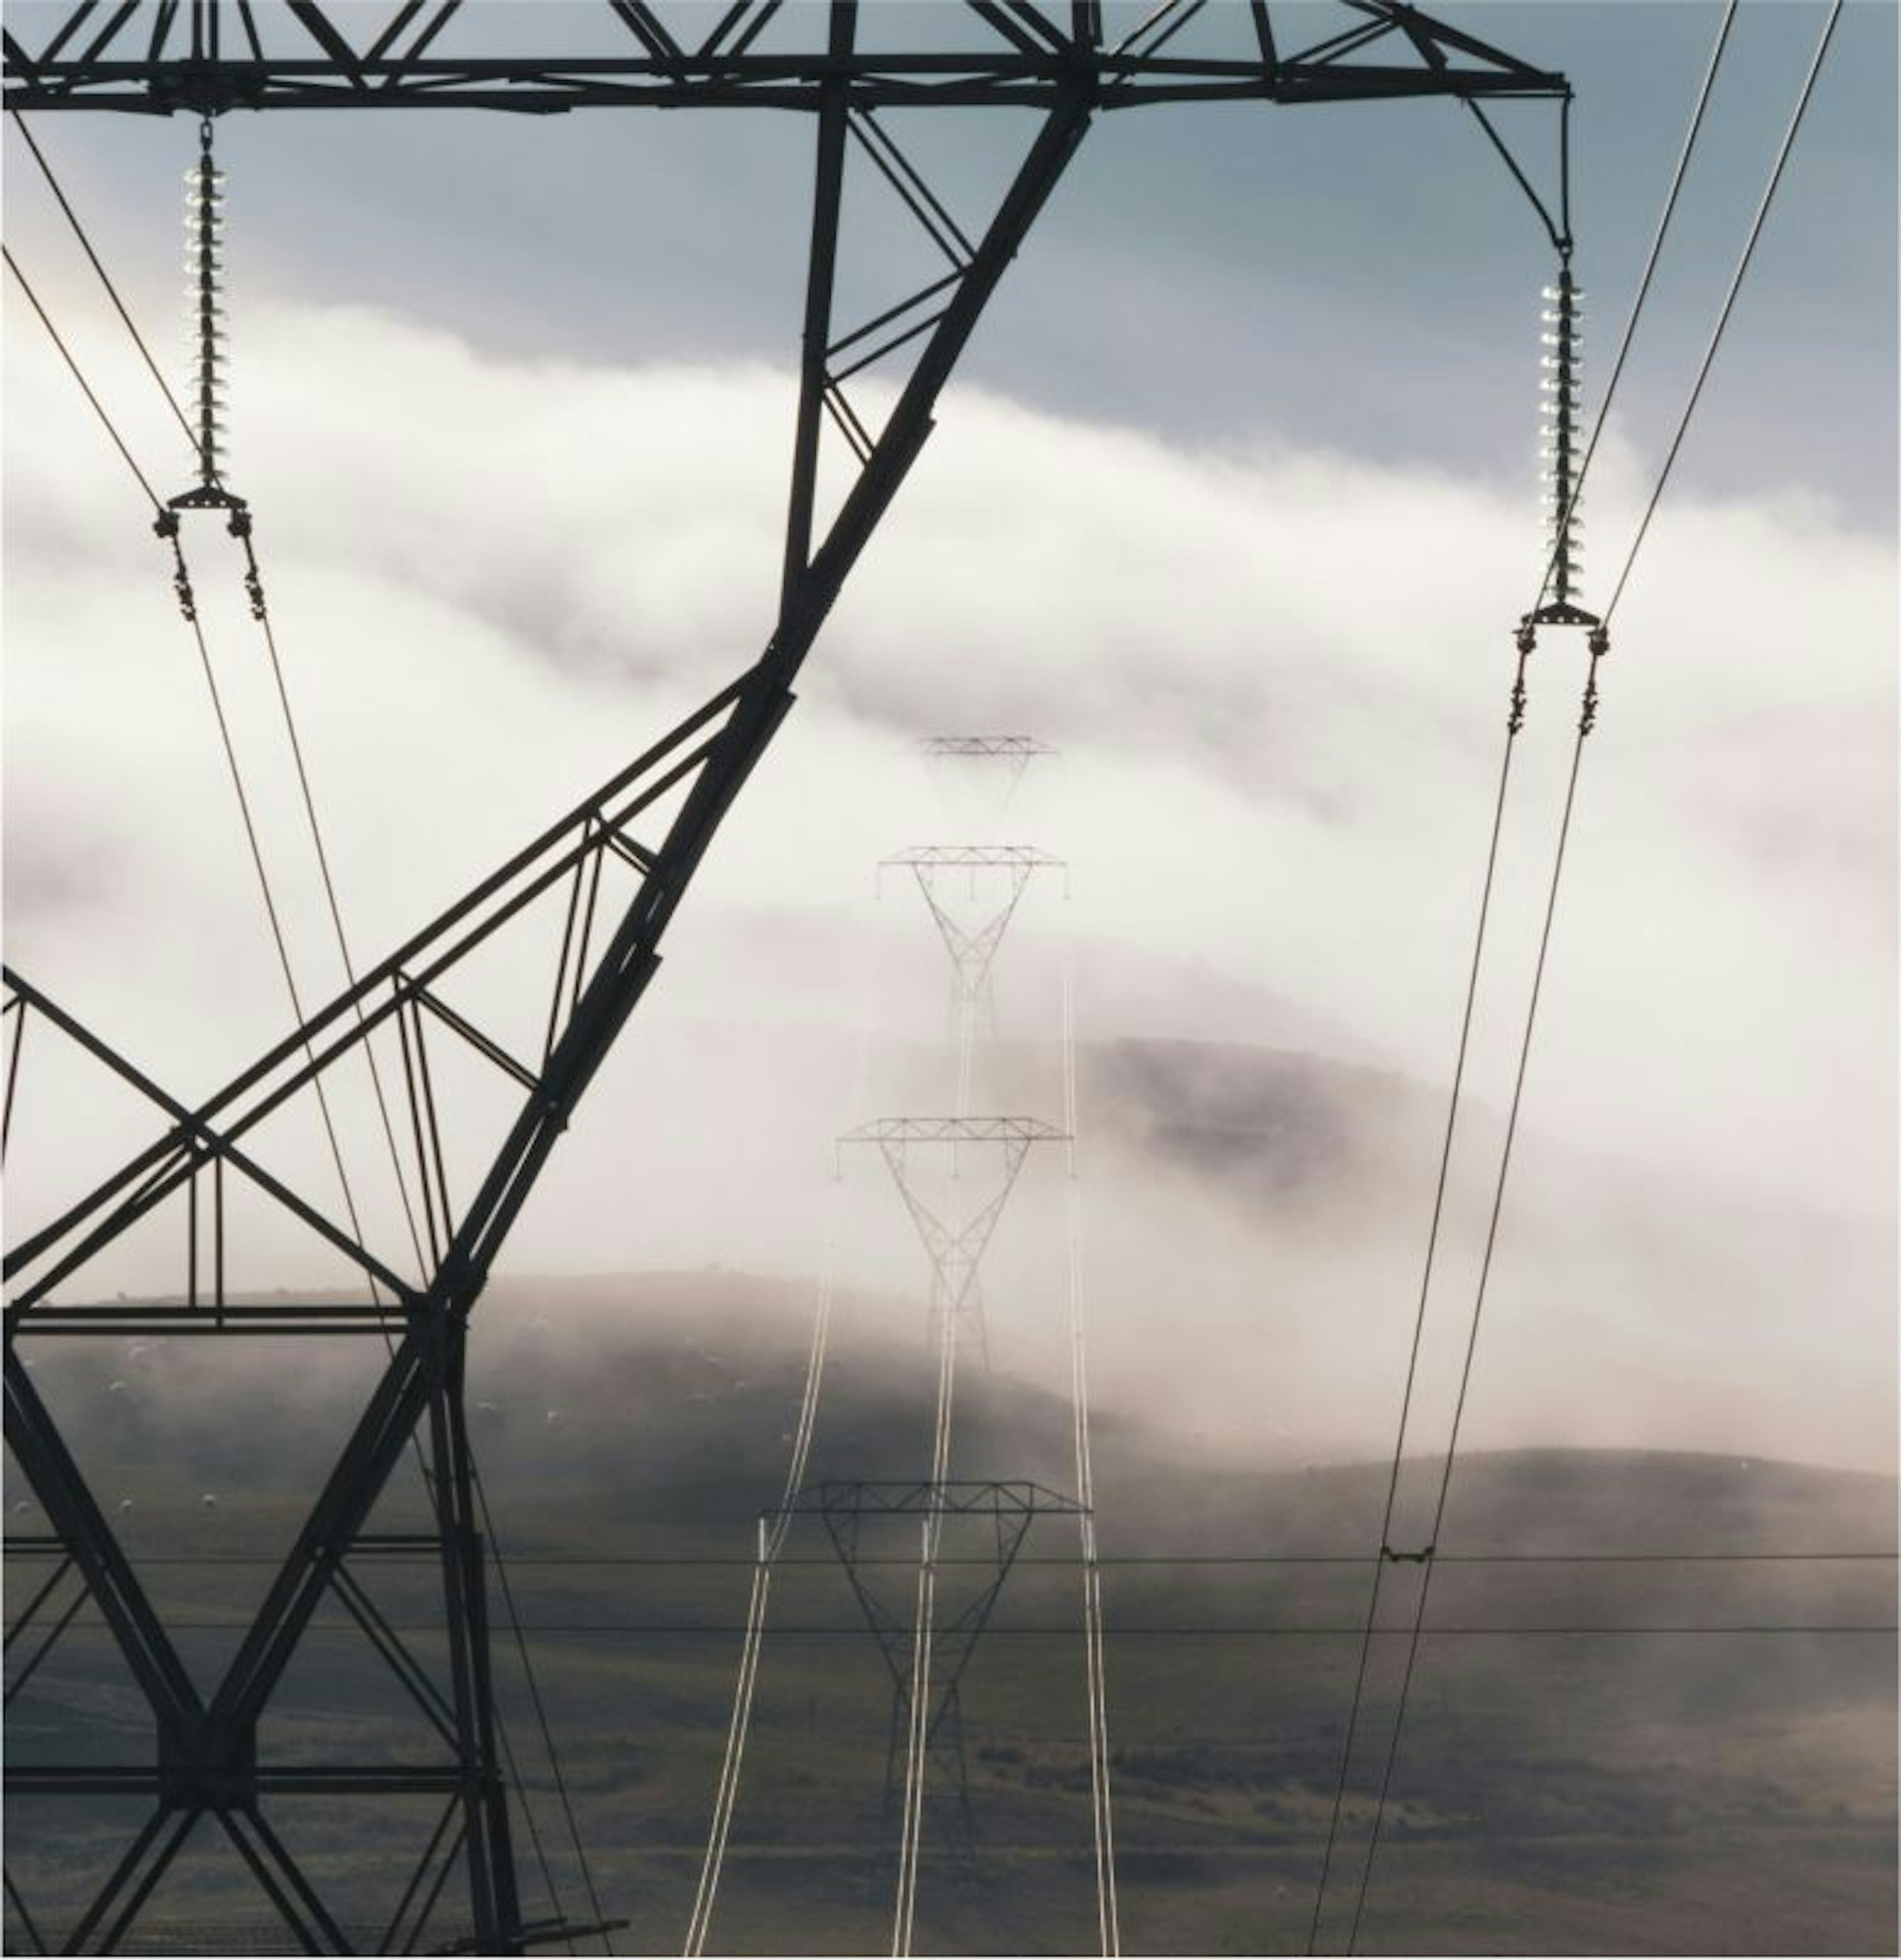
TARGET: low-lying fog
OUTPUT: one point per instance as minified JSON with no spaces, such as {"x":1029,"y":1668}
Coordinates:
{"x":1254,"y":1215}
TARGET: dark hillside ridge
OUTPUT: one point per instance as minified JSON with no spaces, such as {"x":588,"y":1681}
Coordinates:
{"x":1589,"y":1763}
{"x":675,"y":1394}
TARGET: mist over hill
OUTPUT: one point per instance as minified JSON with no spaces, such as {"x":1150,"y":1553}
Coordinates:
{"x":1654,"y":1705}
{"x":1255,"y":1222}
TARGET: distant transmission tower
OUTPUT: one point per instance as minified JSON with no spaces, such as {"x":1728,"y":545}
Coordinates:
{"x":986,"y":768}
{"x":955,"y":1245}
{"x":961,"y":1525}
{"x":600,"y":886}
{"x":991,"y":880}
{"x":975,"y":1526}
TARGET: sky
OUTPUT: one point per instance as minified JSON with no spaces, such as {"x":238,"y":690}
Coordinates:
{"x":1233,"y":501}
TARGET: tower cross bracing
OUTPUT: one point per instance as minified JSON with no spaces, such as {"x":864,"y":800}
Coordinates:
{"x":955,"y":1246}
{"x":617,"y":866}
{"x":972,"y":939}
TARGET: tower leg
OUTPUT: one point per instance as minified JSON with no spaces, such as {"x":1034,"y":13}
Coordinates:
{"x":491,"y":1865}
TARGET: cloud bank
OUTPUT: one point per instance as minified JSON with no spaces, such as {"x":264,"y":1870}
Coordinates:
{"x":1278,"y":677}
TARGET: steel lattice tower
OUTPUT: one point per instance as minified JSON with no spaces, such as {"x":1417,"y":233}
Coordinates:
{"x":614,"y":868}
{"x":955,"y":1245}
{"x":926,"y":1645}
{"x":972,"y":943}
{"x":989,"y":1521}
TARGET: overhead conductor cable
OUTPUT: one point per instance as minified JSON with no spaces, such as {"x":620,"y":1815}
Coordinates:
{"x":1561,"y":411}
{"x":774,"y":1527}
{"x":205,"y":268}
{"x":1587,"y":721}
{"x":1103,"y":1826}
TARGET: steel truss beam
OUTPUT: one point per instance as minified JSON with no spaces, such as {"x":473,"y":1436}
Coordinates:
{"x":974,"y":857}
{"x":1023,"y":749}
{"x":204,"y":57}
{"x":157,"y":56}
{"x":1002,"y":760}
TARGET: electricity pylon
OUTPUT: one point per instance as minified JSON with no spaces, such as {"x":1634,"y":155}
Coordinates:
{"x":994,"y":765}
{"x":955,"y":1245}
{"x":991,"y":1521}
{"x":995,"y":878}
{"x":623,"y":859}
{"x":928,"y":1652}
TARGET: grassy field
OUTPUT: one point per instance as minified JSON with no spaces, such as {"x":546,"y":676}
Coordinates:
{"x":1579,"y":1771}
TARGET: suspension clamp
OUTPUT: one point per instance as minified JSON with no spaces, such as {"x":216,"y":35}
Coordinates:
{"x":1587,"y":717}
{"x":181,"y":585}
{"x":1526,"y":640}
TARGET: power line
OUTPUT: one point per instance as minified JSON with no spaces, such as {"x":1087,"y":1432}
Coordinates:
{"x":534,"y":1829}
{"x":1642,"y":529}
{"x":1643,"y":291}
{"x":1478,"y":1310}
{"x":254,"y":584}
{"x":1513,"y":723}
{"x":182,"y":584}
{"x":771,"y":1544}
{"x":736,"y":1630}
{"x":85,"y":388}
{"x":1101,"y":1757}
{"x":1729,"y":302}
{"x":182,"y":581}
{"x":1167,"y":1560}
{"x":1586,"y":720}
{"x":540,"y":1708}
{"x":86,"y":245}
{"x":1599,"y":644}
{"x":245,"y":818}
